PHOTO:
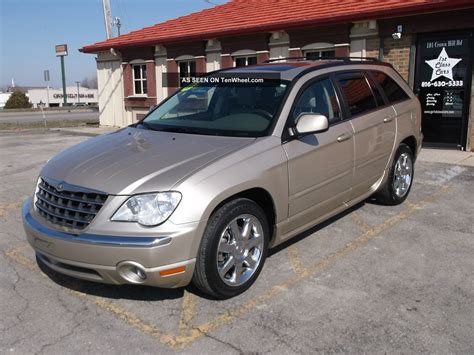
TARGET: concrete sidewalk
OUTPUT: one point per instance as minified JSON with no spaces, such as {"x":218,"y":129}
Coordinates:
{"x":447,"y":156}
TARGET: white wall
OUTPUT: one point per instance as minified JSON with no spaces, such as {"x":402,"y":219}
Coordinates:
{"x":160,"y":70}
{"x":110,"y":83}
{"x":4,"y":96}
{"x":279,"y":44}
{"x":55,"y":96}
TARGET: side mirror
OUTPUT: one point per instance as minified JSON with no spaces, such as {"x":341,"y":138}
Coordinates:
{"x":311,"y":123}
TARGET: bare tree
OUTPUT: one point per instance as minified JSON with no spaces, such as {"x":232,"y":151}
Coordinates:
{"x":93,"y":82}
{"x":85,"y":83}
{"x":89,"y":82}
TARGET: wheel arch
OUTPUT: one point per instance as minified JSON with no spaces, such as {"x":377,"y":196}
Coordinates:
{"x":262,"y":198}
{"x":411,"y":142}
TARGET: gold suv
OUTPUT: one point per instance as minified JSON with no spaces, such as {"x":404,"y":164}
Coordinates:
{"x":231,"y":165}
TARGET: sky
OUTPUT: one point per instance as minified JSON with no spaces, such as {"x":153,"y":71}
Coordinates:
{"x":30,"y":29}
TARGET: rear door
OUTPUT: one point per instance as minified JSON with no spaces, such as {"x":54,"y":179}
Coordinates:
{"x":374,"y":123}
{"x":320,"y":165}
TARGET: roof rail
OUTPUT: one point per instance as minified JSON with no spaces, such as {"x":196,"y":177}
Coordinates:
{"x":345,"y":59}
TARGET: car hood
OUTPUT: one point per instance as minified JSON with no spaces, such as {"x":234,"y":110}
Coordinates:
{"x":133,"y":160}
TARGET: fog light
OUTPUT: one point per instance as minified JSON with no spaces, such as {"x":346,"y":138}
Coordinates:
{"x":132,"y":272}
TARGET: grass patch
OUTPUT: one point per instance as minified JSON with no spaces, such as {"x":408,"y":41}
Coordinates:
{"x":48,"y":124}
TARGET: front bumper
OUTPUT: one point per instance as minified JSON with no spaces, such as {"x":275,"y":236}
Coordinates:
{"x":99,"y":257}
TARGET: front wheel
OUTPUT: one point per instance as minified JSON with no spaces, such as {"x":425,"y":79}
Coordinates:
{"x":233,"y":249}
{"x":400,"y":178}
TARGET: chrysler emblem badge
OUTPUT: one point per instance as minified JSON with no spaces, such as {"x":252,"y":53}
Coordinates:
{"x":60,"y":187}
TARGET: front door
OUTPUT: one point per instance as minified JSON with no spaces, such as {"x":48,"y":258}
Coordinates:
{"x":320,"y":165}
{"x":443,"y":85}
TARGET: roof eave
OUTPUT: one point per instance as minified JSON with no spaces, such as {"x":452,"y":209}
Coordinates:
{"x":433,"y":7}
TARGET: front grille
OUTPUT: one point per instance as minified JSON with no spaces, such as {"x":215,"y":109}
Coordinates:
{"x":67,"y":205}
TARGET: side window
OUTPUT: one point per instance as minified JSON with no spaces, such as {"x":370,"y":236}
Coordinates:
{"x":377,"y":91}
{"x":319,"y":97}
{"x":358,"y":94}
{"x":392,"y":90}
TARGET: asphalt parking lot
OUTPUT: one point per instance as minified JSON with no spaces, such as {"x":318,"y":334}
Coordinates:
{"x":374,"y":279}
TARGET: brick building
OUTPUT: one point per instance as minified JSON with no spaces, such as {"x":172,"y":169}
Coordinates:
{"x":430,"y":42}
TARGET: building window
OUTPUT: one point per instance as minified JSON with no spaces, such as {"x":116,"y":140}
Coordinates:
{"x":187,"y":69}
{"x":139,"y":79}
{"x":320,"y":54}
{"x":243,"y":61}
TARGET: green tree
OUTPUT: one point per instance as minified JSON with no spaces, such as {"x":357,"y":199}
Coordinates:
{"x":18,"y":99}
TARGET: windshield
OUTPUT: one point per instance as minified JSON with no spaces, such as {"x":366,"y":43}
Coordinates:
{"x":242,"y":111}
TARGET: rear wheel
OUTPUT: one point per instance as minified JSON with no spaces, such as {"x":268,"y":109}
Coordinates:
{"x":233,"y":249}
{"x":400,"y":178}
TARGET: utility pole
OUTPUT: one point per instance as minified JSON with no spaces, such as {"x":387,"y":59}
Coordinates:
{"x":118,"y":24}
{"x":46,"y":78}
{"x":107,"y":18}
{"x":63,"y":75}
{"x":78,"y":99}
{"x":61,"y":51}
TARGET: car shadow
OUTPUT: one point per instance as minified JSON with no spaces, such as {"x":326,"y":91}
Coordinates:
{"x":315,"y":229}
{"x":129,"y":292}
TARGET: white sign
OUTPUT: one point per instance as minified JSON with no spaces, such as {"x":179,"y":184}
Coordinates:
{"x":443,"y":65}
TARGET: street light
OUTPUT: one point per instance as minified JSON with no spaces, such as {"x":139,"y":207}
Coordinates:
{"x":78,"y":99}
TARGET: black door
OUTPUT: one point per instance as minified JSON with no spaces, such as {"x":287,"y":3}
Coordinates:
{"x":443,"y":83}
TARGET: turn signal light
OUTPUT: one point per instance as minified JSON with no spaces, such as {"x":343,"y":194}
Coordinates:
{"x":176,"y":270}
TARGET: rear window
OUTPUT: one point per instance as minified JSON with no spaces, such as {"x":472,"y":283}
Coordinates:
{"x":358,"y":94}
{"x":392,"y":90}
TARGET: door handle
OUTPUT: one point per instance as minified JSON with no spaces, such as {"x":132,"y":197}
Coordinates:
{"x":344,"y":137}
{"x":388,"y":119}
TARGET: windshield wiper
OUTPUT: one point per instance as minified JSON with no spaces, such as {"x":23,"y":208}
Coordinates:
{"x":175,"y":129}
{"x":146,"y":125}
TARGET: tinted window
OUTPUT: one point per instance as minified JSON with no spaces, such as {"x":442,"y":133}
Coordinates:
{"x":378,"y":94}
{"x":392,"y":90}
{"x":358,"y":94}
{"x":319,"y":97}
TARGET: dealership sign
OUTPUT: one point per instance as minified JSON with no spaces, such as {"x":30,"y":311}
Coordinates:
{"x":74,"y":96}
{"x":442,"y":66}
{"x":61,"y":50}
{"x":443,"y":81}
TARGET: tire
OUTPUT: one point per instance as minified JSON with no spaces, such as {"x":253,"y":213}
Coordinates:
{"x":228,"y":262}
{"x":400,"y":178}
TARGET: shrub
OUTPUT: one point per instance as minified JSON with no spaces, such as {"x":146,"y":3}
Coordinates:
{"x":18,"y":99}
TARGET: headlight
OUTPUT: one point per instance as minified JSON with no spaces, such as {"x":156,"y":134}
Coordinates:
{"x":148,"y":209}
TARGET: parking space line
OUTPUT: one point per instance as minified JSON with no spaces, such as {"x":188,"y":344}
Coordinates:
{"x":5,"y":207}
{"x":188,"y":312}
{"x":359,"y":221}
{"x":189,"y":333}
{"x":322,"y":264}
{"x":121,"y":313}
{"x":295,"y":260}
{"x":16,"y":255}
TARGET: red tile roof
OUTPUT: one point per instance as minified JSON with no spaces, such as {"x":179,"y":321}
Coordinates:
{"x":251,"y":16}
